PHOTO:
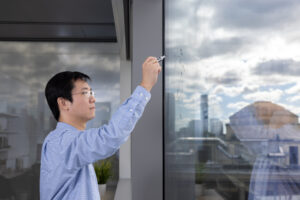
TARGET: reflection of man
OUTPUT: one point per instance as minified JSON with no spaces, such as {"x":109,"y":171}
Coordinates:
{"x":69,"y":151}
{"x":269,"y":131}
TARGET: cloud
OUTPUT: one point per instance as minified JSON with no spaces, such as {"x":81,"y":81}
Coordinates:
{"x":214,"y":99}
{"x":228,"y":91}
{"x":236,"y":49}
{"x":294,"y":89}
{"x":237,"y":105}
{"x":206,"y":48}
{"x":292,"y":108}
{"x":209,"y":48}
{"x":255,"y":14}
{"x":27,"y":67}
{"x":194,"y":86}
{"x":25,"y":63}
{"x":215,"y":107}
{"x":280,"y":67}
{"x":229,"y":78}
{"x":294,"y":99}
{"x":272,"y":95}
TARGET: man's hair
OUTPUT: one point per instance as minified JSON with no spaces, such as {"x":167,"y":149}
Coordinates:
{"x":61,"y":85}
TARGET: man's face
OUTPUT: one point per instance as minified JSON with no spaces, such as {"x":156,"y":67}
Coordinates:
{"x":83,"y":105}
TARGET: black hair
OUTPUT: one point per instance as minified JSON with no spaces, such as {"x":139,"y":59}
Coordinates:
{"x":61,"y":85}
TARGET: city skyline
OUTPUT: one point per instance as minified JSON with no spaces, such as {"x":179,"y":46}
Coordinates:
{"x":232,"y":58}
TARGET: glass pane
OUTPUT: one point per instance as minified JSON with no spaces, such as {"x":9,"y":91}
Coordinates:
{"x":25,"y":118}
{"x":232,"y":99}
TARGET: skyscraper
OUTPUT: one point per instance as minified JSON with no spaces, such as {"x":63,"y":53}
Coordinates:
{"x":204,"y":114}
{"x":216,"y":126}
{"x":170,"y":115}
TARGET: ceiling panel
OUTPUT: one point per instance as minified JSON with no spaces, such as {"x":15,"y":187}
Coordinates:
{"x":40,"y":20}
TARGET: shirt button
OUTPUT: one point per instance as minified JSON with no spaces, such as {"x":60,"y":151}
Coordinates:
{"x":131,"y":110}
{"x":141,"y":94}
{"x":147,"y":98}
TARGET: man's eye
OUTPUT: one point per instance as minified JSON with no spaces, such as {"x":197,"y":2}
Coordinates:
{"x":84,"y":93}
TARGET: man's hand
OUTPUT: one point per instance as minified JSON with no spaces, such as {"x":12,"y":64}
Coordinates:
{"x":151,"y":69}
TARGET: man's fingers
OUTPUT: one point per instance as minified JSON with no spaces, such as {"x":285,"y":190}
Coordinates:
{"x":159,"y":69}
{"x":151,"y":60}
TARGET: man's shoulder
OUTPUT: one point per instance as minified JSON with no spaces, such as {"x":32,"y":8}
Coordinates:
{"x":52,"y":135}
{"x":56,"y":142}
{"x":60,"y":136}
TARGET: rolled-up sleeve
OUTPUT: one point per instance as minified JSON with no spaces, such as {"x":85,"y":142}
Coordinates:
{"x":85,"y":147}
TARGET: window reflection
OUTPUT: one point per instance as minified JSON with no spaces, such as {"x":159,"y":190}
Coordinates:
{"x":232,"y":100}
{"x":25,"y":118}
{"x":272,"y":138}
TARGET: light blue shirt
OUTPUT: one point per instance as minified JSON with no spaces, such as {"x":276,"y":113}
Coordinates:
{"x":67,"y":170}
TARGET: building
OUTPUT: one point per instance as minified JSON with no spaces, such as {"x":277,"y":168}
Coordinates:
{"x":204,"y":114}
{"x":216,"y":126}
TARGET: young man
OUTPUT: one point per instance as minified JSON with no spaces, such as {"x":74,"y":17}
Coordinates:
{"x":68,"y":151}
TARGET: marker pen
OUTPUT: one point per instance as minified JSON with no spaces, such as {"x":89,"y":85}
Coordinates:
{"x":160,"y":58}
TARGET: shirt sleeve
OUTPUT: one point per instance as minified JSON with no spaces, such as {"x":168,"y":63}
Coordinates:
{"x":98,"y":143}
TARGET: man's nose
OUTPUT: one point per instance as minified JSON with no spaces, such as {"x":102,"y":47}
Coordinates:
{"x":92,"y":99}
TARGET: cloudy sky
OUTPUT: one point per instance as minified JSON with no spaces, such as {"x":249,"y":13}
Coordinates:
{"x":236,"y":51}
{"x":27,"y":66}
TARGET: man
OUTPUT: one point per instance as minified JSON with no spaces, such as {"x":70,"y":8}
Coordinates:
{"x":68,"y":151}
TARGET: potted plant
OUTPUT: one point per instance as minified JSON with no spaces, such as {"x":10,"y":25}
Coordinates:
{"x":199,"y":186}
{"x":103,"y":173}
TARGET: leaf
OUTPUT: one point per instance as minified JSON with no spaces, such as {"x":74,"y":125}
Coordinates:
{"x":103,"y":171}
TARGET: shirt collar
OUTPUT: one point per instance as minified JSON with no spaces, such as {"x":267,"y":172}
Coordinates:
{"x":62,"y":125}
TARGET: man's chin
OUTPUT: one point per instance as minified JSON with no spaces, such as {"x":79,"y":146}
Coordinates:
{"x":92,"y":117}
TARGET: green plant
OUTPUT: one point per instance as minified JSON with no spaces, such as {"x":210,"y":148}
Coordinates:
{"x":200,"y":167}
{"x":103,"y":171}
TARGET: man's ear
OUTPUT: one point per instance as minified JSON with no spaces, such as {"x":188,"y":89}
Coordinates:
{"x":63,"y":104}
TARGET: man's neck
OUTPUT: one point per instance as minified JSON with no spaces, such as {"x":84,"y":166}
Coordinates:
{"x":77,"y":124}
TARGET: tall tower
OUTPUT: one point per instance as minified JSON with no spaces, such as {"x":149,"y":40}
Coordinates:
{"x":204,"y":114}
{"x":170,"y":116}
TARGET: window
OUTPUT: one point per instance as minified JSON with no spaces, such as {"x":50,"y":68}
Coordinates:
{"x":232,"y":99}
{"x":25,"y":118}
